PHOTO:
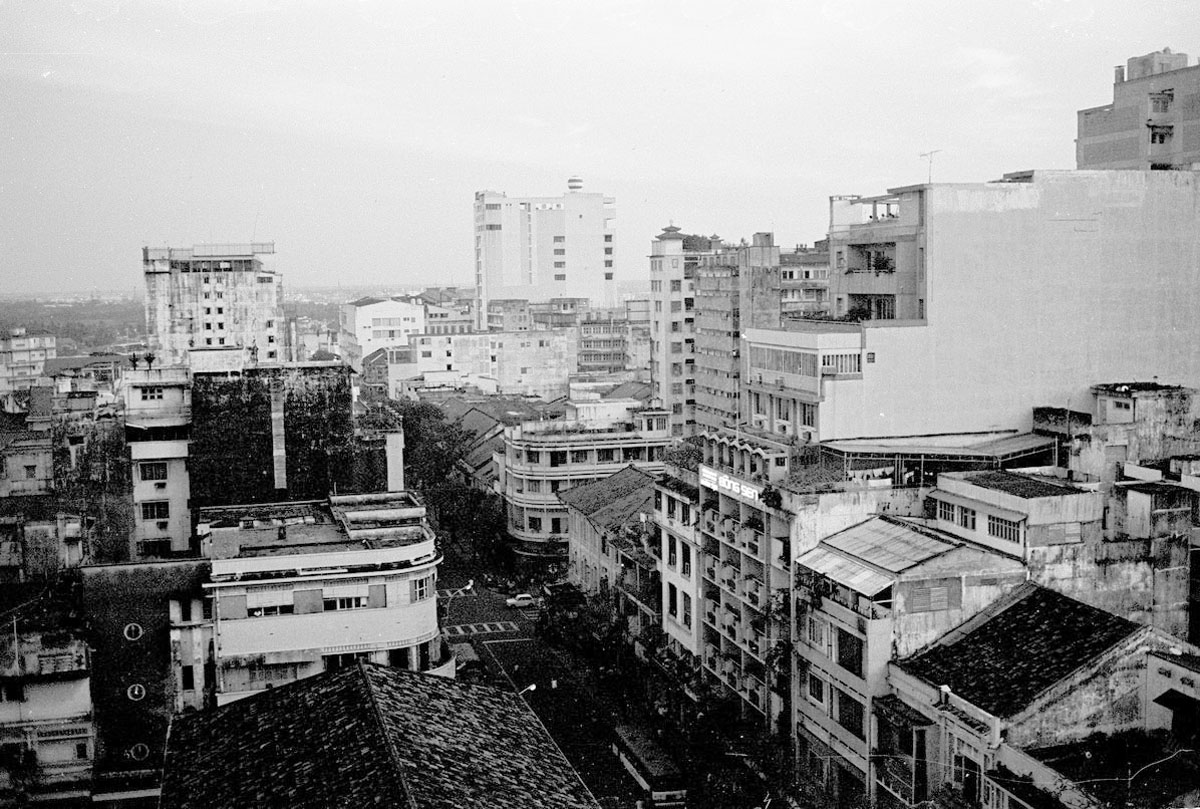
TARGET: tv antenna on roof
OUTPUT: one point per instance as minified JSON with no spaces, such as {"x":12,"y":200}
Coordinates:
{"x":930,"y":155}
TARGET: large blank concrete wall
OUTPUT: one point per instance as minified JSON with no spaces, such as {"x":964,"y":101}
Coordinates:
{"x":1036,"y":291}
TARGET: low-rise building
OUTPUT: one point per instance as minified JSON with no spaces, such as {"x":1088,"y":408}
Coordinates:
{"x":305,"y":587}
{"x":370,"y":735}
{"x":1010,"y":707}
{"x":518,"y":363}
{"x":47,"y":736}
{"x":882,"y":588}
{"x":600,"y":515}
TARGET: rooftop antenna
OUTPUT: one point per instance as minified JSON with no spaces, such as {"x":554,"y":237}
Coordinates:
{"x":930,"y":155}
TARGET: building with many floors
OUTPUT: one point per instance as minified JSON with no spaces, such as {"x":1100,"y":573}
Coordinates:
{"x":927,"y":279}
{"x":158,"y":417}
{"x":541,"y":458}
{"x":539,"y":248}
{"x":22,"y":358}
{"x":371,"y":323}
{"x":1153,"y":121}
{"x":301,"y":588}
{"x":214,"y":295}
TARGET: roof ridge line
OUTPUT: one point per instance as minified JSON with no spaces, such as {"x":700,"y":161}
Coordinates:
{"x":393,"y":753}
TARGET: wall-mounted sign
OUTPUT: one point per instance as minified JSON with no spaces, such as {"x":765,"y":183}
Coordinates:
{"x":712,"y":479}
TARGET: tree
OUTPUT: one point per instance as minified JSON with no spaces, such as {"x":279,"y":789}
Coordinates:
{"x":432,"y":447}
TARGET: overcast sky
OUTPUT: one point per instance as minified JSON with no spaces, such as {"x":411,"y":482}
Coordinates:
{"x":354,"y":134}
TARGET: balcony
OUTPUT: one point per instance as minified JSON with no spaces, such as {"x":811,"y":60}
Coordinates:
{"x":894,"y":773}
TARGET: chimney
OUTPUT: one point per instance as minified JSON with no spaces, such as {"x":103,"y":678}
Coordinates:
{"x":1118,"y":74}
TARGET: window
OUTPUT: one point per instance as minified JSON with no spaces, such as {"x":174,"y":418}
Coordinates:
{"x":850,"y":652}
{"x":535,"y":525}
{"x":608,"y":237}
{"x":560,"y":276}
{"x":685,"y":554}
{"x":608,"y":276}
{"x":606,"y":455}
{"x":421,"y":589}
{"x":1004,"y":529}
{"x":672,"y":556}
{"x":12,"y":692}
{"x":559,"y":239}
{"x":153,"y":470}
{"x":188,"y":678}
{"x":966,"y":517}
{"x":30,"y":472}
{"x":928,"y":599}
{"x":687,"y":610}
{"x":676,"y":286}
{"x":672,"y":599}
{"x":608,"y":263}
{"x":560,"y":252}
{"x":945,"y":511}
{"x":558,"y":265}
{"x":816,"y":632}
{"x":151,"y":392}
{"x":345,"y":603}
{"x":156,"y":510}
{"x":849,"y":713}
{"x":1161,"y":102}
{"x":1161,"y":134}
{"x":816,"y":689}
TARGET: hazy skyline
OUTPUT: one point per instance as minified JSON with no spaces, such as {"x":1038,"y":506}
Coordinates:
{"x":355,"y":134}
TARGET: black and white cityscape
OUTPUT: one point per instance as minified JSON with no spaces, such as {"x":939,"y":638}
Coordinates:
{"x":445,"y":406}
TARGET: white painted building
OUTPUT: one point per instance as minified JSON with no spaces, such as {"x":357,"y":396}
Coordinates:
{"x":158,"y":414}
{"x":523,"y":362}
{"x":371,"y":323}
{"x":539,"y":248}
{"x":300,"y":588}
{"x":22,"y":358}
{"x":978,"y":302}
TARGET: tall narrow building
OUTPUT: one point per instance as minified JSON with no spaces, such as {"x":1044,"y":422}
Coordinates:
{"x":538,"y":248}
{"x":213,"y":295}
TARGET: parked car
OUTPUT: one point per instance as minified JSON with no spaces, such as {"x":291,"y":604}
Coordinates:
{"x":521,"y":600}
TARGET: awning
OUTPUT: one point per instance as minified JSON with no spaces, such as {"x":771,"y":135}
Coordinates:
{"x":959,"y":500}
{"x":1176,"y":700}
{"x":900,"y":712}
{"x":855,"y":575}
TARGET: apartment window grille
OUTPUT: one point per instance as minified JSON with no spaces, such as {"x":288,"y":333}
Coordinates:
{"x":1004,"y":529}
{"x":945,"y":511}
{"x":153,"y":470}
{"x":156,"y":510}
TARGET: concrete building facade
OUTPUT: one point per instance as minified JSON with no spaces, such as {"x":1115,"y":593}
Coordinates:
{"x":538,"y":248}
{"x":938,"y":276}
{"x":1153,"y":121}
{"x":22,"y":358}
{"x":213,"y":295}
{"x":540,"y":458}
{"x":301,"y":588}
{"x":371,"y":323}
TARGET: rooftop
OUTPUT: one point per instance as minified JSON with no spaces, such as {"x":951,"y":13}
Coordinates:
{"x":613,"y":501}
{"x":1027,"y":487}
{"x":1009,"y":654}
{"x":369,"y":735}
{"x":1130,"y":388}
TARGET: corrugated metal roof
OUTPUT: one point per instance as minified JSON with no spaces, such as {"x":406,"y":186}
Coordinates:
{"x":858,"y":577}
{"x":890,"y":545}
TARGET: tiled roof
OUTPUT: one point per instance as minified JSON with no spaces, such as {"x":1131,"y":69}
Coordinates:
{"x":1026,"y":643}
{"x":369,"y":735}
{"x":1022,"y":486}
{"x":611,"y":502}
{"x":631,"y":390}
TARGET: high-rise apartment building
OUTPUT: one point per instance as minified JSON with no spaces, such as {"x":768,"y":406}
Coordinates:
{"x":1153,"y":121}
{"x":213,"y":295}
{"x":539,"y":248}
